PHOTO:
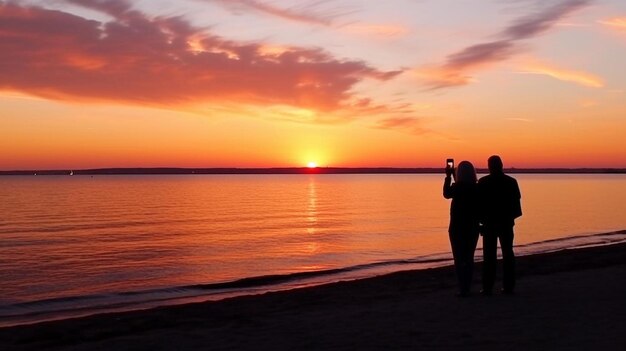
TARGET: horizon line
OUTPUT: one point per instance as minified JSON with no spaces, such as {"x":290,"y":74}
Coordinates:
{"x":294,"y":170}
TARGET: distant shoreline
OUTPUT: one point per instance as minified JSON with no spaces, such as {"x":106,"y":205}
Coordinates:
{"x":296,"y":170}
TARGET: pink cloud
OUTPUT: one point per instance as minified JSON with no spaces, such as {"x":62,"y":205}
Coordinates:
{"x":115,"y":8}
{"x":407,"y":123}
{"x":378,"y":30}
{"x":303,"y":13}
{"x":162,"y":61}
{"x":310,"y":13}
{"x":617,"y":23}
{"x":459,"y":66}
{"x":567,"y":75}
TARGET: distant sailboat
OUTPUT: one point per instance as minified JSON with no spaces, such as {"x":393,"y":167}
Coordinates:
{"x":71,"y":173}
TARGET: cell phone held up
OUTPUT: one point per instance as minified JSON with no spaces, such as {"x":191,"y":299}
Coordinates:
{"x":449,"y":166}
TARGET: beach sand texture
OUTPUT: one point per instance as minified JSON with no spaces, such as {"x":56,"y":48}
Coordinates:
{"x":566,"y":300}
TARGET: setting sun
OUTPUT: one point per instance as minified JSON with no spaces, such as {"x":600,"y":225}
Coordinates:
{"x":261,"y":92}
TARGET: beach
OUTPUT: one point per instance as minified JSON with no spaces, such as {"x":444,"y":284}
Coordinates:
{"x":312,"y":175}
{"x":570,"y":299}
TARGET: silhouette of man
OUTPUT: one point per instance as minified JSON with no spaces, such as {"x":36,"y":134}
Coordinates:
{"x":499,"y":206}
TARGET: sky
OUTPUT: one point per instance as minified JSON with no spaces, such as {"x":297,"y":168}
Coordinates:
{"x":283,"y":83}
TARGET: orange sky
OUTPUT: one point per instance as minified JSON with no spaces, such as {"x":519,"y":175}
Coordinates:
{"x":346,"y":83}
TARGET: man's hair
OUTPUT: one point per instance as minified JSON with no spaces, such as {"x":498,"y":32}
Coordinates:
{"x":495,"y":164}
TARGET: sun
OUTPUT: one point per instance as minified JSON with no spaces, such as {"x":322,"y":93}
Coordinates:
{"x":312,"y":164}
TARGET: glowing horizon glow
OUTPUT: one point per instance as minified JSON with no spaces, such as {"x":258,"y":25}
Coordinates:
{"x":191,"y":83}
{"x":311,"y":164}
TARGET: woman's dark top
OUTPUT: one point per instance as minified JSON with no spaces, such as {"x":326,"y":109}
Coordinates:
{"x":464,"y":207}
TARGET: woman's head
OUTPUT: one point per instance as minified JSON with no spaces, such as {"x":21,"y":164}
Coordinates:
{"x":465,"y":172}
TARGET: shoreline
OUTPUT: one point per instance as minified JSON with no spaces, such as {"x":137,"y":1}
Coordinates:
{"x":80,"y":306}
{"x":563,"y":289}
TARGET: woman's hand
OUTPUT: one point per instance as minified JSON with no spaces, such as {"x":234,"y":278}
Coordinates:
{"x":449,"y":171}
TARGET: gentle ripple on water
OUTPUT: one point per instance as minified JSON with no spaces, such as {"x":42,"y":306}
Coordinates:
{"x":64,"y":236}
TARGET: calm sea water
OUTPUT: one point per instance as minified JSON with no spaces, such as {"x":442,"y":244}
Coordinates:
{"x":72,"y":245}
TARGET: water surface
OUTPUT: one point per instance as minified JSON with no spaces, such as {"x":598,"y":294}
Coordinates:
{"x":80,"y":241}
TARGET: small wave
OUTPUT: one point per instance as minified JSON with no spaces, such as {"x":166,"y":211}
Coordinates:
{"x":22,"y":228}
{"x":71,"y":306}
{"x":74,"y":306}
{"x":572,"y":242}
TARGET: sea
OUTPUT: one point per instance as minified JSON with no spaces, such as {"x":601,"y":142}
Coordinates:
{"x":79,"y":245}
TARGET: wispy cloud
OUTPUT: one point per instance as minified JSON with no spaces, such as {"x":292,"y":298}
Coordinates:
{"x":413,"y":125}
{"x":397,"y":122}
{"x":115,"y":8}
{"x":459,"y":66}
{"x":165,"y":61}
{"x":579,"y":77}
{"x":516,"y":119}
{"x":588,"y":103}
{"x":618,"y":23}
{"x":317,"y":12}
{"x":307,"y":12}
{"x":537,"y":23}
{"x":378,"y":30}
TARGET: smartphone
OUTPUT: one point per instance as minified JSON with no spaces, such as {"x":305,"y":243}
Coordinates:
{"x":450,"y":162}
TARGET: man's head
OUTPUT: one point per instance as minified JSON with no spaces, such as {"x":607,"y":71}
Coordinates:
{"x":495,"y":164}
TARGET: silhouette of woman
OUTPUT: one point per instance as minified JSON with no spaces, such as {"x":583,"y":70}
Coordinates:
{"x":463,"y":229}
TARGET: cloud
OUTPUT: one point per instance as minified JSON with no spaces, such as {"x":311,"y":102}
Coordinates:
{"x":579,"y":77}
{"x":310,"y":13}
{"x":458,"y":66}
{"x":515,"y":119}
{"x":532,"y":25}
{"x":397,"y":122}
{"x":163,"y":61}
{"x":618,"y":23}
{"x":379,"y":30}
{"x":115,"y":8}
{"x":304,"y":13}
{"x":588,"y":103}
{"x":410,"y":124}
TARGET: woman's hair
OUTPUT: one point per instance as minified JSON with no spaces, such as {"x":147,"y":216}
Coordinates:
{"x":465,"y":173}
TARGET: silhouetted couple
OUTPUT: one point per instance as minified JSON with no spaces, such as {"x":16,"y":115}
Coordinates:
{"x":488,"y":206}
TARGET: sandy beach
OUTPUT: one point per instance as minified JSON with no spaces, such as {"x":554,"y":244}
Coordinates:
{"x":571,"y":299}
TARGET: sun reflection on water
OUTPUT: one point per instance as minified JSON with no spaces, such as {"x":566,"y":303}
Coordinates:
{"x":311,"y":212}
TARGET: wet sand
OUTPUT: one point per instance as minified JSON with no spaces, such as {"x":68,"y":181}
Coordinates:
{"x":567,"y":300}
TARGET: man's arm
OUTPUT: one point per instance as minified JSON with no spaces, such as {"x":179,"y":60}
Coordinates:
{"x":516,"y":200}
{"x":481,"y":202}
